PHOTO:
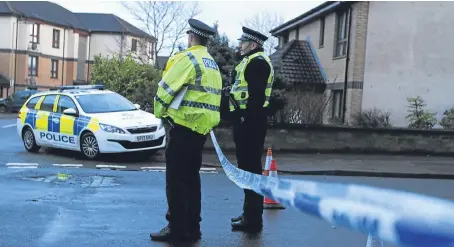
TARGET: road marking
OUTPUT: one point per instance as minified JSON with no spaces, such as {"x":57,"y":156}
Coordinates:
{"x":111,"y":166}
{"x":68,"y":165}
{"x":208,"y":169}
{"x":22,"y":167}
{"x":153,"y":168}
{"x":163,"y":169}
{"x":22,"y":164}
{"x":8,"y":126}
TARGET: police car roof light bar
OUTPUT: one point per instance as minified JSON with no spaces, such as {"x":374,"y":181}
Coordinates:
{"x":99,"y":87}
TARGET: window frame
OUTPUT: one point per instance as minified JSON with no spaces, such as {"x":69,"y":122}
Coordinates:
{"x":341,"y":34}
{"x":337,"y":105}
{"x":134,"y":45}
{"x":56,"y":38}
{"x":321,"y":40}
{"x":72,"y":100}
{"x":30,"y":63}
{"x":52,"y":71}
{"x":33,"y":35}
{"x":53,"y":103}
{"x":29,"y":101}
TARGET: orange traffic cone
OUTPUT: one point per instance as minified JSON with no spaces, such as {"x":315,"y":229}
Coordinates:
{"x":269,"y":203}
{"x":269,"y":157}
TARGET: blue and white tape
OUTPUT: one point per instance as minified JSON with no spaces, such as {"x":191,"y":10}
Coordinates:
{"x":402,"y":218}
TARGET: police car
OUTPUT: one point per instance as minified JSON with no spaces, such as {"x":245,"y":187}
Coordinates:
{"x":88,"y":119}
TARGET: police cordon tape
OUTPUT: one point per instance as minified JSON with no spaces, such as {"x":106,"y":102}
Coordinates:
{"x":401,"y":218}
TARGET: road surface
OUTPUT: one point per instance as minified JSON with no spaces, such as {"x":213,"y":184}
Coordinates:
{"x":103,"y":207}
{"x":119,"y":208}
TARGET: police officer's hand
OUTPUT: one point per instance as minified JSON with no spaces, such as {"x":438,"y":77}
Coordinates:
{"x":226,"y":90}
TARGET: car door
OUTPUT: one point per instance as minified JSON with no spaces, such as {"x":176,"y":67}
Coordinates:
{"x":43,"y":120}
{"x":64,"y":124}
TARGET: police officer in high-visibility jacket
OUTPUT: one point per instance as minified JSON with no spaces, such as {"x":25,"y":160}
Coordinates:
{"x":251,"y":90}
{"x":189,"y":97}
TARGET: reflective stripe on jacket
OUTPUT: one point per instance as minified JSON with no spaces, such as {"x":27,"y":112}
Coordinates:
{"x":240,"y":87}
{"x":199,"y":110}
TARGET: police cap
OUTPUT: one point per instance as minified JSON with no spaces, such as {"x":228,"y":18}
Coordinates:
{"x":252,"y":35}
{"x":200,"y":28}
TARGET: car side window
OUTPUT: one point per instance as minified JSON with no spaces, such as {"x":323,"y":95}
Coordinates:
{"x":64,"y":103}
{"x":48,"y":103}
{"x":32,"y":103}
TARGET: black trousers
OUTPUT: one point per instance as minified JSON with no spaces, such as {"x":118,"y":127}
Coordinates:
{"x":249,"y":139}
{"x":183,"y":189}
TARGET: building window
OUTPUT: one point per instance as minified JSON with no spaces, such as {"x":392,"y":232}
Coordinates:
{"x":32,"y":66}
{"x":341,"y":34}
{"x":150,"y":49}
{"x":54,"y":69}
{"x":34,"y":33}
{"x":286,"y":38}
{"x":321,"y":40}
{"x":134,"y":45}
{"x":336,"y":112}
{"x":56,"y":39}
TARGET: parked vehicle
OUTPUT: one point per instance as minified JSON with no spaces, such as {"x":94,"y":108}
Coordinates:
{"x":15,"y":101}
{"x":90,"y":120}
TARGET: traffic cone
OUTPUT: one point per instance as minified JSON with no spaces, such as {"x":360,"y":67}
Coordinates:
{"x":267,"y":202}
{"x":269,"y":157}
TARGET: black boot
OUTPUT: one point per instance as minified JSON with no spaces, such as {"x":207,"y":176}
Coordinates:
{"x":247,"y":225}
{"x":237,"y":218}
{"x":166,"y":234}
{"x":194,"y":235}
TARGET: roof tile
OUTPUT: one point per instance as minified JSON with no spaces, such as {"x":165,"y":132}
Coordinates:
{"x":296,"y":64}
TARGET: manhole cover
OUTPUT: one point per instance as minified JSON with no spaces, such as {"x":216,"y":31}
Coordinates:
{"x":83,"y":181}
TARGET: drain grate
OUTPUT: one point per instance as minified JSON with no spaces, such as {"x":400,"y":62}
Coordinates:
{"x":95,"y":181}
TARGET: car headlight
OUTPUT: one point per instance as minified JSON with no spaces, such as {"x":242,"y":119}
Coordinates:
{"x":111,"y":129}
{"x":161,"y":125}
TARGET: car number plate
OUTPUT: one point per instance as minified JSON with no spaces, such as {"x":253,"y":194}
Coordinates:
{"x":145,"y":138}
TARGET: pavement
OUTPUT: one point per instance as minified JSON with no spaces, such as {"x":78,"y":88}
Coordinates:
{"x":304,"y":164}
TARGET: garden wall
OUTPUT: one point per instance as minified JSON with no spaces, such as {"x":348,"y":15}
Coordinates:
{"x":327,"y":139}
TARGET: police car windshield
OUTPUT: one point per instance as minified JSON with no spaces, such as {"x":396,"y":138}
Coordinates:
{"x":105,"y":102}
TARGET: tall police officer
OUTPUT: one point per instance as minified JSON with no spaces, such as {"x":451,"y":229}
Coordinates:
{"x":192,"y":117}
{"x":251,"y":92}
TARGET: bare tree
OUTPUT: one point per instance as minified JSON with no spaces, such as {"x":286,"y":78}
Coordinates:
{"x":264,"y":22}
{"x":140,"y":48}
{"x":167,"y":21}
{"x":305,"y":107}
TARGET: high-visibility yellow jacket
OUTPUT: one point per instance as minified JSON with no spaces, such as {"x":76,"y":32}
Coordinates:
{"x":199,"y":110}
{"x":171,"y":60}
{"x":240,"y":90}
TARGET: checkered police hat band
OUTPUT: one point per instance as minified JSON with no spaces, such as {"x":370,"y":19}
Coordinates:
{"x":254,"y":38}
{"x":198,"y":32}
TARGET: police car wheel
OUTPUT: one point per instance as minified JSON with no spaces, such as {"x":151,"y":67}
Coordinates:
{"x":89,"y":146}
{"x":29,"y":140}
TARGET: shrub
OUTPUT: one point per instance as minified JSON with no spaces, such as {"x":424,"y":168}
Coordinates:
{"x":418,"y":117}
{"x":373,"y":118}
{"x":447,"y":122}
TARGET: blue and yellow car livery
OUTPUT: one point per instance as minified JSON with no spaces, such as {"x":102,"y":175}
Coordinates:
{"x":52,"y":126}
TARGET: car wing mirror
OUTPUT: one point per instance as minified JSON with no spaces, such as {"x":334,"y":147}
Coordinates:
{"x":70,"y":112}
{"x":137,"y":106}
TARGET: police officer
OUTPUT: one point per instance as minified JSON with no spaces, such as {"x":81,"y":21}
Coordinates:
{"x":189,"y":97}
{"x":250,"y":93}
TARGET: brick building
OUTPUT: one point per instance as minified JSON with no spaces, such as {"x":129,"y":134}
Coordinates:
{"x":388,"y":50}
{"x":44,"y":45}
